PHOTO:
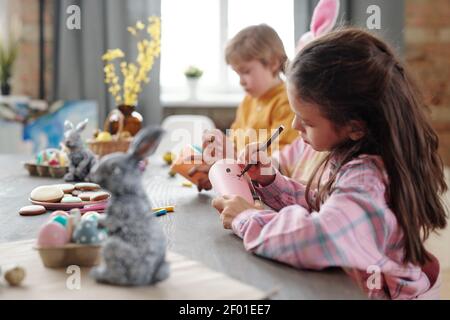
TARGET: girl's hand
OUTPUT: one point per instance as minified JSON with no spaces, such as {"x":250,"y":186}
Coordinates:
{"x":262,"y":170}
{"x":230,"y":207}
{"x":201,"y":167}
{"x":216,"y":146}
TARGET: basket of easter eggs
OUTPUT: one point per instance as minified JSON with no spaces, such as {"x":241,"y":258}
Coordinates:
{"x":48,"y":163}
{"x":104,"y":142}
{"x":71,"y":239}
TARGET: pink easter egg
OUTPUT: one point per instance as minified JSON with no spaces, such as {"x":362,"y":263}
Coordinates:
{"x":59,"y":213}
{"x":52,"y":234}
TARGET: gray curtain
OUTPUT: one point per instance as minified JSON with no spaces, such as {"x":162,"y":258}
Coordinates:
{"x":78,"y":69}
{"x":353,"y":13}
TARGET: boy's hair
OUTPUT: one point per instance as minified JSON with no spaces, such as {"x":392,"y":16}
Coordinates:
{"x":258,"y":42}
{"x":352,"y":75}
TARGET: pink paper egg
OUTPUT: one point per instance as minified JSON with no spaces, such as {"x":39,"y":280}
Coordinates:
{"x":52,"y":234}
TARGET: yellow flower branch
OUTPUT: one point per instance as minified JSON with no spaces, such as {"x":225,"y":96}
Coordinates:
{"x":133,"y":74}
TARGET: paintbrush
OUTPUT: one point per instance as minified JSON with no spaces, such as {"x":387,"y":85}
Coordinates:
{"x":264,"y":148}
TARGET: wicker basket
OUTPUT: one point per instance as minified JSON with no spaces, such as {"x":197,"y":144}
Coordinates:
{"x":117,"y":144}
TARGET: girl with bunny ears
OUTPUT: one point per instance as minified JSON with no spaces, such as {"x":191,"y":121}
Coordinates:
{"x":383,"y":176}
{"x":298,"y":160}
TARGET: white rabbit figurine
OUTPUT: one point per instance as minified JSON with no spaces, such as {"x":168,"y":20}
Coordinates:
{"x":135,"y":250}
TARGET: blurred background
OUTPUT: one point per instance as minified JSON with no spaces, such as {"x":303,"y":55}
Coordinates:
{"x":57,"y":63}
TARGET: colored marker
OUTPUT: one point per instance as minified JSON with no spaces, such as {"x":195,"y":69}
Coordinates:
{"x":168,"y":208}
{"x":160,"y":212}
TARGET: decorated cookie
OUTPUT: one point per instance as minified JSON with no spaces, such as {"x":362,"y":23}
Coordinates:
{"x":87,"y":186}
{"x":86,"y":196}
{"x":98,"y":196}
{"x":47,"y":194}
{"x":71,"y":200}
{"x":32,"y":210}
{"x":66,"y":187}
{"x":87,"y":232}
{"x":52,"y":234}
{"x":76,"y":192}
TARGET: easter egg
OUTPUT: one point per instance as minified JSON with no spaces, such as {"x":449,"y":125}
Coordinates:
{"x":104,"y":136}
{"x":63,"y":159}
{"x":87,"y":232}
{"x":52,"y":234}
{"x":39,"y":159}
{"x":76,"y":215}
{"x":59,"y":213}
{"x":92,"y":215}
{"x":168,"y":157}
{"x":15,"y":276}
{"x":61,"y":220}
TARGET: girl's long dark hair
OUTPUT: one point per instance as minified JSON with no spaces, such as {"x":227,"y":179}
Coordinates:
{"x":352,"y":75}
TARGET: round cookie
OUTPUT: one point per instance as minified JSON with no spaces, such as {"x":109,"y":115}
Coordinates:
{"x":70,"y":200}
{"x":86,"y":196}
{"x":87,"y":186}
{"x":32,"y":210}
{"x":66,"y":187}
{"x":47,"y":194}
{"x":98,"y":196}
{"x":76,"y":192}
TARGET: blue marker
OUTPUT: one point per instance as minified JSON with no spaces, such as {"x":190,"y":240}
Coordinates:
{"x":160,"y":212}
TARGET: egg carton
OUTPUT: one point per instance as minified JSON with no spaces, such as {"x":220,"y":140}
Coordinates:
{"x":83,"y":255}
{"x":41,"y":170}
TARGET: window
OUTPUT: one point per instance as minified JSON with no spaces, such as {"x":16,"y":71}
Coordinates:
{"x":195,"y":32}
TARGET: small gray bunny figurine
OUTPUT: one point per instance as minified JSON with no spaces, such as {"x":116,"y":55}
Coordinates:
{"x":135,"y":250}
{"x":81,"y":159}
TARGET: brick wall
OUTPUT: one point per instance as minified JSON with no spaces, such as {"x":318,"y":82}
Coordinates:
{"x":427,"y":41}
{"x":26,"y":70}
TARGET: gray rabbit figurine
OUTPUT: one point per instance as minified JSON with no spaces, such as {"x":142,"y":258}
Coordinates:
{"x":81,"y":159}
{"x":135,"y":250}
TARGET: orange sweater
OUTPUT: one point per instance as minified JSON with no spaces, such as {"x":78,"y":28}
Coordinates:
{"x":267,"y":112}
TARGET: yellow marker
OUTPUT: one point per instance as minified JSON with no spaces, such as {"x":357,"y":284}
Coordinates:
{"x":187,"y":184}
{"x":168,"y":208}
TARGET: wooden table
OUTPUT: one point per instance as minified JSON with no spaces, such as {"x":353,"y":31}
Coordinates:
{"x":193,"y":230}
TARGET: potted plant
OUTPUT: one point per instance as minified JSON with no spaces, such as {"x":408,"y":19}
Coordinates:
{"x":8,"y":55}
{"x":126,"y":86}
{"x":193,"y":74}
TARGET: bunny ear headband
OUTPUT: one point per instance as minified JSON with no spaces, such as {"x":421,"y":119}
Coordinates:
{"x":323,"y":20}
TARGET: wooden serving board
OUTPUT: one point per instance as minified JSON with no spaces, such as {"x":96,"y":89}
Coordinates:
{"x":188,"y":280}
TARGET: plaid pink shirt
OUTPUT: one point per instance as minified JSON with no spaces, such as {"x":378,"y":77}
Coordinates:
{"x":354,"y":229}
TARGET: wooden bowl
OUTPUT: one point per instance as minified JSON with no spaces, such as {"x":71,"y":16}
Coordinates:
{"x":57,"y":172}
{"x":32,"y":168}
{"x":43,"y":171}
{"x":82,"y":255}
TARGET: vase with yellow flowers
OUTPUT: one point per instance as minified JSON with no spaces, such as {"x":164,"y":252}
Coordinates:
{"x":126,"y":85}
